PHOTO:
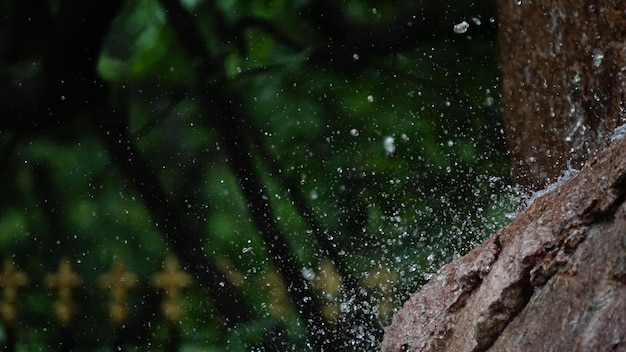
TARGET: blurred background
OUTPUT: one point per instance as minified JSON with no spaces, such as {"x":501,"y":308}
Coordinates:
{"x":308,"y":164}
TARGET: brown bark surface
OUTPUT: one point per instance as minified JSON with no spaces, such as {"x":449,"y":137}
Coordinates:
{"x":564,"y":82}
{"x":552,"y":280}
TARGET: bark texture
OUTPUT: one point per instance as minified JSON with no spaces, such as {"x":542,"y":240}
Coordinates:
{"x":564,"y":82}
{"x":552,"y":280}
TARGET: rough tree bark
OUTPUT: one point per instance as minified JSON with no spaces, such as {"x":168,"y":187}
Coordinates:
{"x":563,"y":67}
{"x":555,"y":278}
{"x":552,"y":280}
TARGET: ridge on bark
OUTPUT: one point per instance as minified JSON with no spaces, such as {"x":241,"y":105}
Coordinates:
{"x":554,"y":279}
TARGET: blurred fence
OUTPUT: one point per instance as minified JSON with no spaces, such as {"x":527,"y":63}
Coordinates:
{"x":153,"y":324}
{"x":62,"y":285}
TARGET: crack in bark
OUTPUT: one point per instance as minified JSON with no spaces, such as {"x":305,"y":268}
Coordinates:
{"x":482,"y":300}
{"x":544,"y":264}
{"x":501,"y":312}
{"x":468,"y":282}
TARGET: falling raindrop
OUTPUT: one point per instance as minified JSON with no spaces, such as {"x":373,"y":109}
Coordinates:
{"x":461,"y":28}
{"x":597,"y":57}
{"x":389,"y":145}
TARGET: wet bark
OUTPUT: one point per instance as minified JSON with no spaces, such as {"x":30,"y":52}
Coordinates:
{"x":552,"y":280}
{"x":564,"y":83}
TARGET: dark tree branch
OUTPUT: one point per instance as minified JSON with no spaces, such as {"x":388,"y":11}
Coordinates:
{"x":161,"y":116}
{"x":292,"y":189}
{"x":183,"y":237}
{"x":229,"y":125}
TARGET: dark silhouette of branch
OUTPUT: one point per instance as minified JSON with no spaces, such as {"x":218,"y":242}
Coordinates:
{"x":234,"y":141}
{"x":298,"y":200}
{"x":184,"y":238}
{"x":366,"y":319}
{"x":227,"y":114}
{"x":330,"y":249}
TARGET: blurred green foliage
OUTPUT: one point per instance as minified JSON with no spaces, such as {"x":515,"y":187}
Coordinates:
{"x":318,"y":112}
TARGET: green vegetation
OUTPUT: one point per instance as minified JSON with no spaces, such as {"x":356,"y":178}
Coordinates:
{"x":276,"y":148}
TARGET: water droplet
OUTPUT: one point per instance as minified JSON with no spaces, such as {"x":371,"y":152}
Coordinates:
{"x":461,"y":28}
{"x":389,"y":145}
{"x":308,"y":274}
{"x":597,"y":57}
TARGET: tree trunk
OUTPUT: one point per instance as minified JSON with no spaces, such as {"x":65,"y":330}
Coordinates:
{"x":552,"y":280}
{"x":564,"y":83}
{"x":555,"y":278}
